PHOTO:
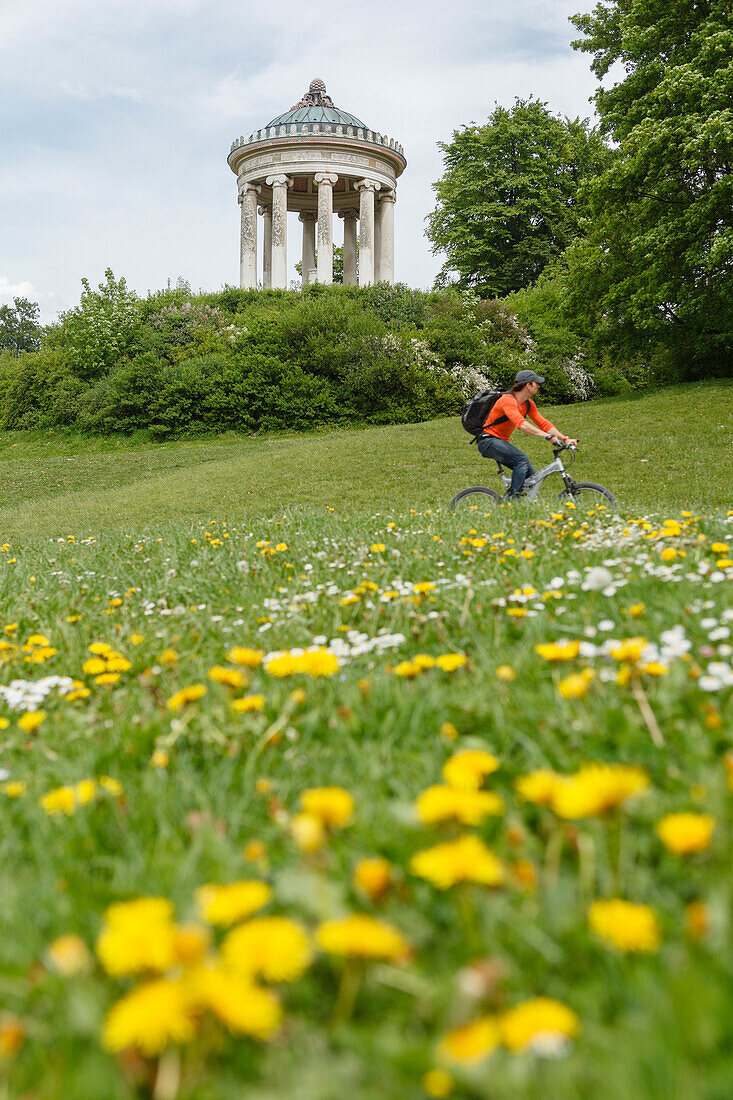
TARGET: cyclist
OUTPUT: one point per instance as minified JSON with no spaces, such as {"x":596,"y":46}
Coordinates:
{"x":514,"y":410}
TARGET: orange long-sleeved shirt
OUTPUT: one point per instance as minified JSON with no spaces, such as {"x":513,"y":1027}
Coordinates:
{"x":508,"y":407}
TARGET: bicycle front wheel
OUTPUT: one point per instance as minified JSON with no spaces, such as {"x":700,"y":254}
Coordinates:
{"x":476,"y":497}
{"x":588,"y":490}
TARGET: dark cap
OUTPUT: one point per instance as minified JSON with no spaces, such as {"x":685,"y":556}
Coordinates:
{"x":525,"y":376}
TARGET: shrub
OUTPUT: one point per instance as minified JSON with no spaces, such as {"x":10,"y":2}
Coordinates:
{"x":38,"y":390}
{"x":105,"y":327}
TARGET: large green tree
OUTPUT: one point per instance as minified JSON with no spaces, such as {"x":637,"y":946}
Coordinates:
{"x":19,"y":326}
{"x":508,"y":201}
{"x":658,"y":260}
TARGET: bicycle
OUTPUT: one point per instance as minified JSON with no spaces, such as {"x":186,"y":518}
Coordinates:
{"x":573,"y":489}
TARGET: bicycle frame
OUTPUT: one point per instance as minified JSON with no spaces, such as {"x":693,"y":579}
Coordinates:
{"x":533,"y":484}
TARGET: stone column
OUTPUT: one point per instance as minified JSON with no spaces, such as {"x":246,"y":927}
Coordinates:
{"x":279,"y":185}
{"x":377,"y":241}
{"x":325,"y":181}
{"x":349,"y":217}
{"x":248,"y":236}
{"x":266,"y":212}
{"x":308,"y":256}
{"x":386,"y":258}
{"x":366,"y":189}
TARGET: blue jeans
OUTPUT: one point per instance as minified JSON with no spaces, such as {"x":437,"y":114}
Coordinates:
{"x":490,"y":446}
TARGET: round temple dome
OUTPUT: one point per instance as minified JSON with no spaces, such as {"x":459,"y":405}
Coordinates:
{"x":317,"y":106}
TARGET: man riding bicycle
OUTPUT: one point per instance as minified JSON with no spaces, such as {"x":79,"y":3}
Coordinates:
{"x":514,"y":410}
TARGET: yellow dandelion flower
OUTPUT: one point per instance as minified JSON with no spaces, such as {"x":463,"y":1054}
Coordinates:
{"x":407,"y":669}
{"x":68,"y":955}
{"x":377,"y":547}
{"x":576,"y":685}
{"x":449,"y":731}
{"x":373,"y":877}
{"x":30,"y":721}
{"x":137,"y":935}
{"x":229,"y":676}
{"x":719,"y":547}
{"x":464,"y":860}
{"x":186,"y":695}
{"x":636,"y":610}
{"x":470,"y":807}
{"x":333,"y":806}
{"x":686,"y":833}
{"x":537,"y":786}
{"x":248,"y":703}
{"x":450,"y":662}
{"x":565,"y":650}
{"x":168,"y":657}
{"x":668,"y":554}
{"x":437,"y":1083}
{"x":160,"y":759}
{"x":467,"y":769}
{"x":255,"y":850}
{"x":596,"y":788}
{"x":107,"y":678}
{"x":16,"y":788}
{"x":629,"y":650}
{"x":242,"y":1006}
{"x":230,"y":903}
{"x":540,"y":1024}
{"x":274,"y":948}
{"x":506,"y":673}
{"x":423,"y":661}
{"x":137,"y":639}
{"x":316,"y":663}
{"x":362,"y":937}
{"x":111,"y":786}
{"x":470,"y":1044}
{"x":308,"y":832}
{"x":100,"y":649}
{"x":85,"y":791}
{"x":94,"y":666}
{"x":59,"y":801}
{"x":118,"y":663}
{"x":149,"y":1018}
{"x":624,"y":925}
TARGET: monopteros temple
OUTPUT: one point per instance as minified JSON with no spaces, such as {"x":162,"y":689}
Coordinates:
{"x":317,"y":159}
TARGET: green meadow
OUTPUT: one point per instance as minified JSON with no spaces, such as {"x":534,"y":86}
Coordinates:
{"x":663,"y":448}
{"x":516,"y":724}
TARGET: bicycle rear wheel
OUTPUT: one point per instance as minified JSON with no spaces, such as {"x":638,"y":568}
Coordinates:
{"x":588,"y":490}
{"x":475,"y":497}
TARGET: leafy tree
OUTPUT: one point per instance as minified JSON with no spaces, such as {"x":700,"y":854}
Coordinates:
{"x":104,"y":327}
{"x":19,"y":326}
{"x":658,"y":262}
{"x":509,"y":199}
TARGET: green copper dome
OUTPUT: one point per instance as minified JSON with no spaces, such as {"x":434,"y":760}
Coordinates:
{"x":316,"y":106}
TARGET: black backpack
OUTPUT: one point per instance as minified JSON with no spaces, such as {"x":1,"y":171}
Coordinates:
{"x":475,"y":411}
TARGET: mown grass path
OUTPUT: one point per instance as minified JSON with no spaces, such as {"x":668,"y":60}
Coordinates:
{"x":665,"y":449}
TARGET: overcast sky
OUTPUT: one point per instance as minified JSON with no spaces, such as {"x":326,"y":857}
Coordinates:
{"x":116,"y":118}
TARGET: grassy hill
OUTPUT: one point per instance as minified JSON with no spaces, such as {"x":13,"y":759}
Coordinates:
{"x":658,"y":450}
